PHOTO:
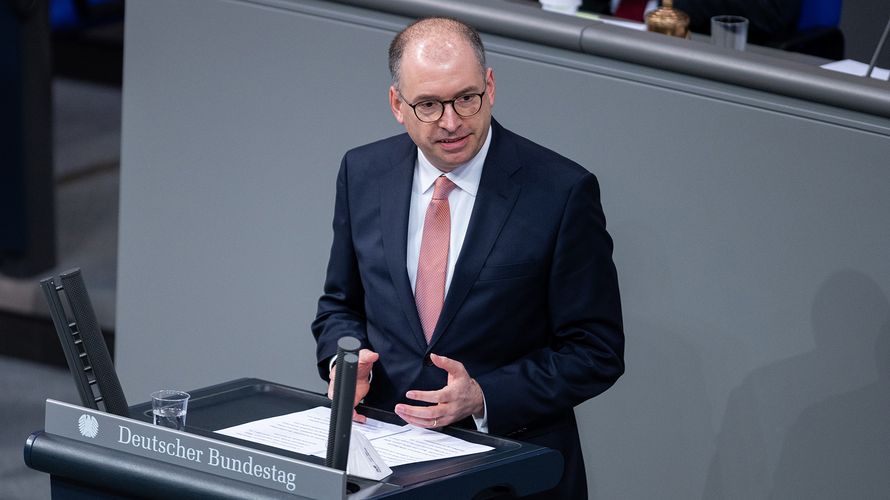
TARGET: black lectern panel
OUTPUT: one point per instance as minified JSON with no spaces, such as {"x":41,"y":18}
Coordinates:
{"x":93,"y":472}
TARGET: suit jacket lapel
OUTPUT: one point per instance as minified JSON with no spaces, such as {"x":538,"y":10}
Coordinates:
{"x":495,"y":199}
{"x":395,"y":202}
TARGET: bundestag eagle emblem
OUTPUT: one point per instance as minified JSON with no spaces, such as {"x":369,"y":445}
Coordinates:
{"x":88,"y":426}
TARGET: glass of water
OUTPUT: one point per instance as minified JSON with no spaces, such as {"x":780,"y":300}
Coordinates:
{"x":730,"y":32}
{"x":168,"y":408}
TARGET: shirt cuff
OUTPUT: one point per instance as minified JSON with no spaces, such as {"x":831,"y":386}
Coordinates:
{"x":482,"y":422}
{"x":333,"y":362}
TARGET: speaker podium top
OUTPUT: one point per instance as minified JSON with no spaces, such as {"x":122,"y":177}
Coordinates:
{"x":116,"y":464}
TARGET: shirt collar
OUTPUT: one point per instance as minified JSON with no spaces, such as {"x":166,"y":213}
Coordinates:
{"x":466,"y":176}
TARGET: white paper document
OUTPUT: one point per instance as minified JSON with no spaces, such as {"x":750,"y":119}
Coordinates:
{"x":856,"y":68}
{"x":414,"y":444}
{"x":363,"y":460}
{"x":625,"y":24}
{"x":306,"y":432}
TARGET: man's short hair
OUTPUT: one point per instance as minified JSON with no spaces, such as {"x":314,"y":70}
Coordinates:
{"x":425,"y":27}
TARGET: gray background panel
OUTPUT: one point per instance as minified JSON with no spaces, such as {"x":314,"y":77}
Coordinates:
{"x":750,"y":238}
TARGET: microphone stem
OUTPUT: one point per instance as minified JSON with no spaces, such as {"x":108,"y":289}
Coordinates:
{"x":874,"y":58}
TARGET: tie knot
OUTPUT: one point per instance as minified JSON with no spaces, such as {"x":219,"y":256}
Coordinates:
{"x":443,"y":188}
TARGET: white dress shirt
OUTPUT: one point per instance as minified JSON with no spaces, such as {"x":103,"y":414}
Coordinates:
{"x":460,"y":203}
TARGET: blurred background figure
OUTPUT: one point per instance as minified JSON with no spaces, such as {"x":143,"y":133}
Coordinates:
{"x":806,"y":26}
{"x":769,"y":19}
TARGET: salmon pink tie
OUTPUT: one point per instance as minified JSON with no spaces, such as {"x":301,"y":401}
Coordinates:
{"x":429,"y":290}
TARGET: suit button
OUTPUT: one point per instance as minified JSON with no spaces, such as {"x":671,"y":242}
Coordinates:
{"x":427,"y":360}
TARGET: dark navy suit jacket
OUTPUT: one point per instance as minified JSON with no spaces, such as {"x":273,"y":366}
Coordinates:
{"x":533,"y":309}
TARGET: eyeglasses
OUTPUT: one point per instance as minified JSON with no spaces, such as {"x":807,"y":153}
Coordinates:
{"x":431,"y":110}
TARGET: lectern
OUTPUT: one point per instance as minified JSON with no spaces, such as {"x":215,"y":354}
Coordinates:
{"x":92,"y":454}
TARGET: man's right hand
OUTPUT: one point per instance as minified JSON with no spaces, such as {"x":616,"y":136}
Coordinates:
{"x":366,"y":359}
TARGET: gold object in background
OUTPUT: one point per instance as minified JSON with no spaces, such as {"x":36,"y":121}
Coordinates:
{"x":668,"y":20}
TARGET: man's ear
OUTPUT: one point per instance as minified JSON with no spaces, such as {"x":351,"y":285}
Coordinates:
{"x":395,"y":104}
{"x":489,"y":81}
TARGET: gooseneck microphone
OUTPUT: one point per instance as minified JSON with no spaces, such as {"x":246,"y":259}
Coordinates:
{"x":342,"y":403}
{"x":874,"y":58}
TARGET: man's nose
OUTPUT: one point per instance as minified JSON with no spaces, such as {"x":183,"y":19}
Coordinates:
{"x":450,"y":120}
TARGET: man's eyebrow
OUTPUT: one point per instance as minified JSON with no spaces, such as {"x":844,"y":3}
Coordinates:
{"x":470,"y":89}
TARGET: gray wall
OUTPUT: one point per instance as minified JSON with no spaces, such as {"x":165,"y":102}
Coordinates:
{"x":750,"y":238}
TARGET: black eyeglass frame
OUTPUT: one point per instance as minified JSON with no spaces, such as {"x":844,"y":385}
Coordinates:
{"x":443,"y":103}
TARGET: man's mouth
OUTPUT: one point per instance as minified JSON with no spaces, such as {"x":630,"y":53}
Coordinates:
{"x":452,"y":140}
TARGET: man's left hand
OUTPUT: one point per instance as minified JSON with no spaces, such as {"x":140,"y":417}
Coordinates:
{"x":460,"y":398}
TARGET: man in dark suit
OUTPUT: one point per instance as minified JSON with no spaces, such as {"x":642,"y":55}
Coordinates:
{"x":473,"y":265}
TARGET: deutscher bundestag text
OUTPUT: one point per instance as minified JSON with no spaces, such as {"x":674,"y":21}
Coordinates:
{"x":215,"y":458}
